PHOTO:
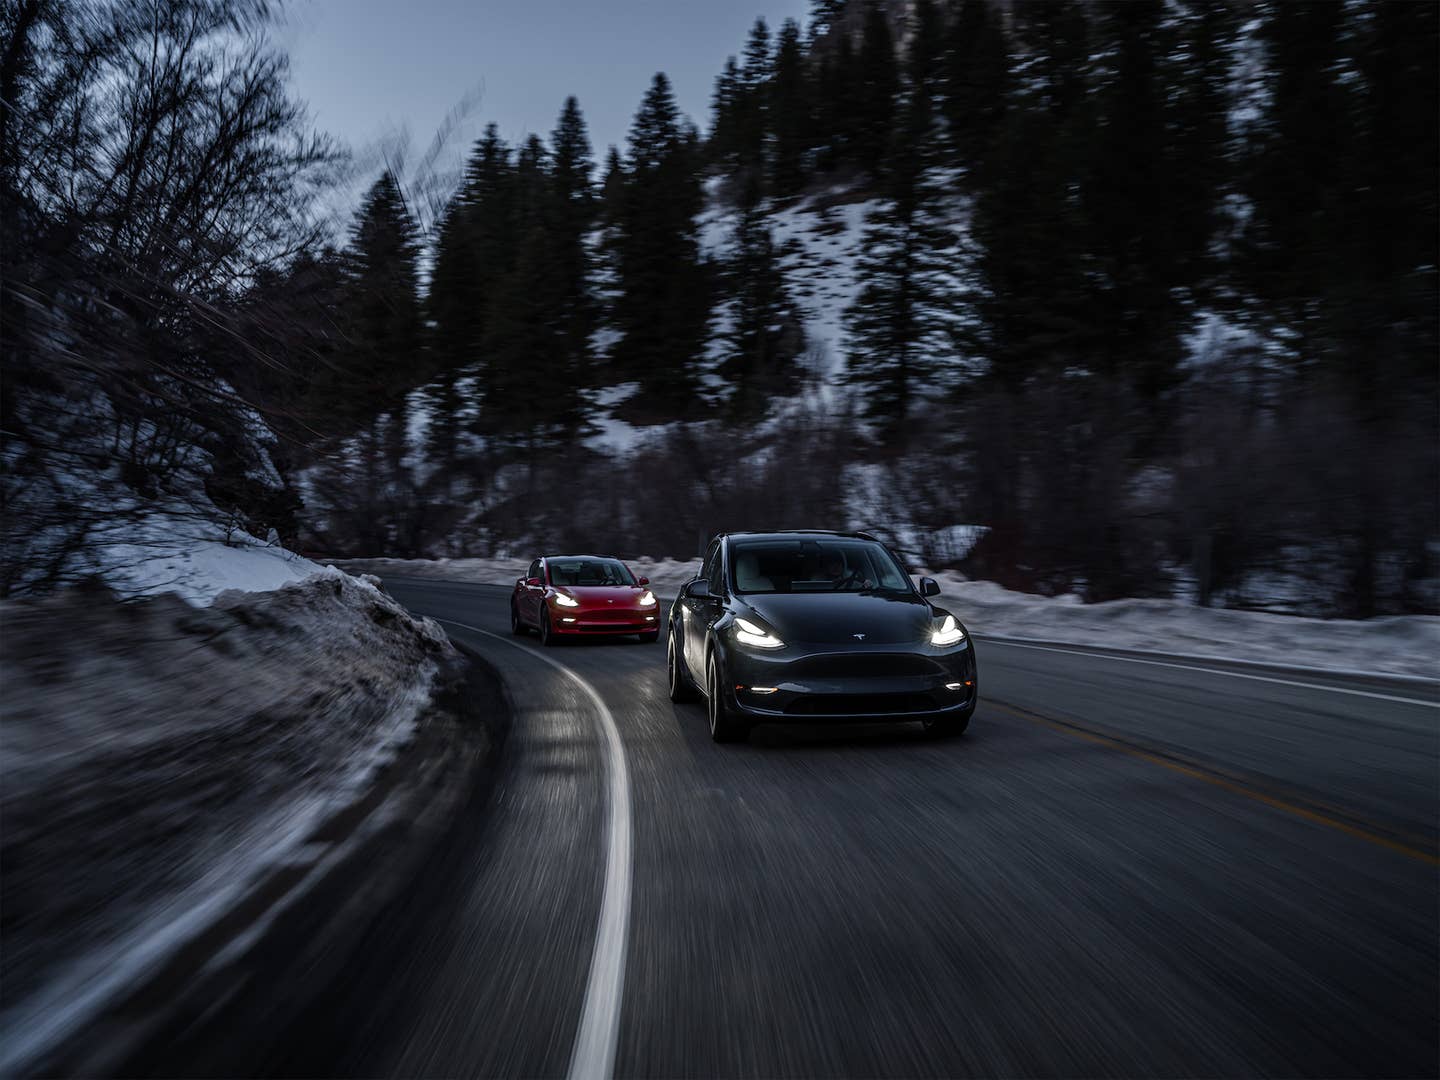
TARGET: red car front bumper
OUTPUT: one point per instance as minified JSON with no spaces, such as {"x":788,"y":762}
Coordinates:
{"x":582,"y":622}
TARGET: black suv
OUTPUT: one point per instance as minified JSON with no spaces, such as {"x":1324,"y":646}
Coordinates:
{"x":815,"y":627}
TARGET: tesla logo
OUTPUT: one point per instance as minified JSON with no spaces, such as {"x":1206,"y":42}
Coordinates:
{"x":858,"y":637}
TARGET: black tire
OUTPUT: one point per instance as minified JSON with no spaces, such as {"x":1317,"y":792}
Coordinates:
{"x":681,"y":688}
{"x":516,"y":626}
{"x":547,"y":636}
{"x":724,"y":725}
{"x":948,"y":727}
{"x":649,"y":637}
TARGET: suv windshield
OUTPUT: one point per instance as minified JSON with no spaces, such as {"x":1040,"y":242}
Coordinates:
{"x":827,"y":565}
{"x":589,"y":572}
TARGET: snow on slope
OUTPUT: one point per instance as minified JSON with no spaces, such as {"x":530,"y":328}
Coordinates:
{"x":82,"y":518}
{"x":819,"y":241}
{"x":822,"y":248}
{"x":197,"y":559}
{"x":162,"y":759}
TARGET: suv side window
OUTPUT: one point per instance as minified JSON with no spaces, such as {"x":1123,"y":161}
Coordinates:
{"x":716,"y":577}
{"x":534,"y":570}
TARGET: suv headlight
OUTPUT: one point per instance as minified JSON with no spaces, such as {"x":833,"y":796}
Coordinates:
{"x":747,"y":633}
{"x":566,"y":601}
{"x":647,"y":599}
{"x":947,"y":633}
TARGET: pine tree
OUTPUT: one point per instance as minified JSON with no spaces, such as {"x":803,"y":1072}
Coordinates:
{"x":977,"y":65}
{"x":753,"y":103}
{"x":571,"y":219}
{"x":924,"y":59}
{"x":384,"y":303}
{"x":1129,"y":225}
{"x":838,"y":113}
{"x":755,"y":72}
{"x":825,"y":17}
{"x":572,"y":166}
{"x":1400,"y":176}
{"x":474,"y":255}
{"x":1200,"y":162}
{"x":452,"y":333}
{"x":1057,"y":36}
{"x":474,"y":252}
{"x":1032,"y":293}
{"x":792,"y":118}
{"x":661,"y":310}
{"x":610,"y":222}
{"x":877,"y":84}
{"x":922,"y":94}
{"x":448,"y":302}
{"x":1301,"y":178}
{"x":530,"y":391}
{"x":725,"y":108}
{"x":384,"y":324}
{"x":765,"y":334}
{"x":612,"y":187}
{"x":902,"y":329}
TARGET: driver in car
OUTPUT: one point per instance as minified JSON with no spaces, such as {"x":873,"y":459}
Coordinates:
{"x":840,"y":575}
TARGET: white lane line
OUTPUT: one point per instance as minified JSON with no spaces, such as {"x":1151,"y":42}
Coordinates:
{"x":593,"y":1056}
{"x":1220,"y":671}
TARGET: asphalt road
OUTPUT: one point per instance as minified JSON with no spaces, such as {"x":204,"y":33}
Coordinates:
{"x":1123,"y":868}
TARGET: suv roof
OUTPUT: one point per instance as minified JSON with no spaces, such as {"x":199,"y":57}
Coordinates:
{"x":796,"y":533}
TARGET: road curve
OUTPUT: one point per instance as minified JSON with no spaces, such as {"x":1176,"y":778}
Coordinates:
{"x":1122,"y":869}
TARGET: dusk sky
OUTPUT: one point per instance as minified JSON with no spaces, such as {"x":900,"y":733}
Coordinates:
{"x":369,"y":68}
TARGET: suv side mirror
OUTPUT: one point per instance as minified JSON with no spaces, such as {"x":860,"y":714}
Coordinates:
{"x":699,"y":589}
{"x":644,"y":581}
{"x":929,"y":587}
{"x":534,"y":582}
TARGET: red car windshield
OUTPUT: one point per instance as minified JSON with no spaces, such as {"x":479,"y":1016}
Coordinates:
{"x":589,"y":572}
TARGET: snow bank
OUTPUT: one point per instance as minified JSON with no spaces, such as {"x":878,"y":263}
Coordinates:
{"x":160,"y":759}
{"x":196,"y":561}
{"x":1403,"y":645}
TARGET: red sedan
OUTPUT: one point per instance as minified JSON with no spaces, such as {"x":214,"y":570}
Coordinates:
{"x":583,"y":596}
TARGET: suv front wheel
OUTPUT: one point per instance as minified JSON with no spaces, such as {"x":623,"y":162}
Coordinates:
{"x":724,"y":725}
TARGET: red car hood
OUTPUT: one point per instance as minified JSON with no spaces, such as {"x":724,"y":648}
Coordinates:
{"x":605,"y":596}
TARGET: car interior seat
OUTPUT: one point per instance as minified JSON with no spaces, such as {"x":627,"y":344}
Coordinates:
{"x":748,"y":577}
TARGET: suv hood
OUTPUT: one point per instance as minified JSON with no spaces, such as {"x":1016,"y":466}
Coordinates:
{"x":836,"y":617}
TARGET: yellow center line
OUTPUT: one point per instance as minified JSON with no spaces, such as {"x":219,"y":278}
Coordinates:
{"x":1226,"y":784}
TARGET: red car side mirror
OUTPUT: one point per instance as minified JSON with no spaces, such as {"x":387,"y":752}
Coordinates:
{"x":644,"y":581}
{"x":534,"y":582}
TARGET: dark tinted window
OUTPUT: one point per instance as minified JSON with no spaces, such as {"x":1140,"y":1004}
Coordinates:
{"x":534,"y":570}
{"x":716,"y":578}
{"x":814,"y":565}
{"x":589,"y":572}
